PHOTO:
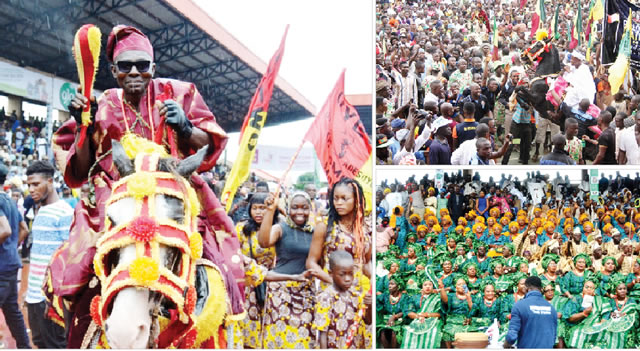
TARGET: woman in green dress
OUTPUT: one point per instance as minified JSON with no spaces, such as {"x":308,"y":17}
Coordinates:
{"x":572,"y":282}
{"x":550,"y":265}
{"x":609,"y":267}
{"x":583,"y":315}
{"x":520,"y":292}
{"x":473,"y":281}
{"x":391,"y":264}
{"x":486,"y":307}
{"x":446,"y":276}
{"x":500,"y":281}
{"x":621,"y":332}
{"x":392,"y":307}
{"x":633,"y":281}
{"x":425,"y":331}
{"x":480,"y":258}
{"x":557,"y":301}
{"x":458,"y":306}
{"x":409,"y":264}
{"x":510,"y":258}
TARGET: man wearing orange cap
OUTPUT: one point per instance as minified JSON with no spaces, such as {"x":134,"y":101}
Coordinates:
{"x":133,"y":109}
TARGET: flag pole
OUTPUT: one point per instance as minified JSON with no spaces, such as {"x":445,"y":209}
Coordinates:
{"x":286,"y":172}
{"x":293,"y":159}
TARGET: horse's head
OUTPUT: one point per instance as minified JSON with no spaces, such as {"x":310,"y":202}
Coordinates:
{"x":145,"y":258}
{"x":534,"y":52}
{"x":545,"y":54}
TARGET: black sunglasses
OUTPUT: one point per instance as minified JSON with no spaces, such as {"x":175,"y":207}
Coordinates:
{"x":126,"y":66}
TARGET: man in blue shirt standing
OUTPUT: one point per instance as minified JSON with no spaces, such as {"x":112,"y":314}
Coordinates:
{"x":13,"y":230}
{"x":534,"y":322}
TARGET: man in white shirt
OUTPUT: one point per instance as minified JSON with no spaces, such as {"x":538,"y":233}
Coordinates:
{"x":581,"y":81}
{"x":628,"y":149}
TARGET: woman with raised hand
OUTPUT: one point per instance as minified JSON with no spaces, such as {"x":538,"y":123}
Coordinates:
{"x":458,"y":306}
{"x":289,"y":305}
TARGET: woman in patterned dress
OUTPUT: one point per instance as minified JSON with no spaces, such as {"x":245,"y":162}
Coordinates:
{"x":289,"y":305}
{"x":557,"y":301}
{"x":633,"y":281}
{"x":584,"y":324}
{"x":486,"y":307}
{"x":391,"y":309}
{"x":572,"y":282}
{"x":347,"y":229}
{"x":623,"y":323}
{"x":248,"y":236}
{"x":425,"y":331}
{"x":458,"y":306}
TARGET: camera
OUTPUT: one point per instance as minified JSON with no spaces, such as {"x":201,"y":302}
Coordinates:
{"x":420,"y":113}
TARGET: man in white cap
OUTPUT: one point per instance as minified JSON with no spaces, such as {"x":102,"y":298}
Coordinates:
{"x":613,"y":247}
{"x":439,"y":151}
{"x":580,"y":79}
{"x":575,"y":245}
{"x":596,"y":256}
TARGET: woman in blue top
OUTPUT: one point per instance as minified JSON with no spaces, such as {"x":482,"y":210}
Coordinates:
{"x":482,"y":205}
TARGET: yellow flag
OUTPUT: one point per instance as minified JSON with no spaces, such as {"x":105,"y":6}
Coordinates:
{"x":240,"y":170}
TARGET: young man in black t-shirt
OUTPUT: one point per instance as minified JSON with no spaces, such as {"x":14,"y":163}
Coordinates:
{"x":467,"y":129}
{"x":606,"y":142}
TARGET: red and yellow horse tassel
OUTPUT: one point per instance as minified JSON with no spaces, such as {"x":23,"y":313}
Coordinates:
{"x":86,"y":51}
{"x":94,"y":310}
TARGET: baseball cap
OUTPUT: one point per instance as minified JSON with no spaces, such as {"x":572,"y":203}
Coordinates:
{"x":382,"y":141}
{"x":439,"y":123}
{"x":397,"y":123}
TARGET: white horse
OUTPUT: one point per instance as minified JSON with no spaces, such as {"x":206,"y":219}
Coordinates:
{"x":156,"y":289}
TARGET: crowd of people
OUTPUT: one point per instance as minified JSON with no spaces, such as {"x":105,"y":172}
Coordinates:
{"x":305,"y":256}
{"x":446,"y":95}
{"x":455,"y":259}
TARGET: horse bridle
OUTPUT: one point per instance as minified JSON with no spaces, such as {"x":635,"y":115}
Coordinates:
{"x":175,"y":281}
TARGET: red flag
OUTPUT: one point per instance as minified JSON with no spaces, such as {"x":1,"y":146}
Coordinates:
{"x":260,"y":100}
{"x":522,"y":3}
{"x":339,"y":137}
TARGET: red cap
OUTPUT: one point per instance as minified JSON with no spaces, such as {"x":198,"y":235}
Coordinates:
{"x":124,"y":38}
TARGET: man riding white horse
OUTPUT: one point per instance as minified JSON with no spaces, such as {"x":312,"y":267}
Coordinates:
{"x":141,"y":107}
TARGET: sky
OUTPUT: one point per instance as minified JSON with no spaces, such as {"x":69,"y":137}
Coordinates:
{"x":324,"y":38}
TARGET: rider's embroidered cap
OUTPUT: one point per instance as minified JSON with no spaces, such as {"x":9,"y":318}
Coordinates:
{"x":124,"y":38}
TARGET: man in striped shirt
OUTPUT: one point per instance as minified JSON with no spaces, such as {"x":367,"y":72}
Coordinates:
{"x":50,"y":229}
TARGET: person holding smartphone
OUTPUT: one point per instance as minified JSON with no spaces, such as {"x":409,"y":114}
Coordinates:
{"x":458,"y":306}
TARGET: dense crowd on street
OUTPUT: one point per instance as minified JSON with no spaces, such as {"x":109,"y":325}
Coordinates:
{"x":446,"y":95}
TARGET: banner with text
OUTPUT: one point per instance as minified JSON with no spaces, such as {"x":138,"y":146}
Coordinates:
{"x":15,"y":80}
